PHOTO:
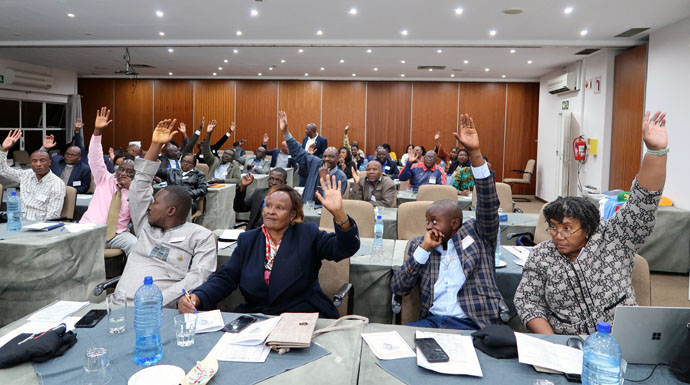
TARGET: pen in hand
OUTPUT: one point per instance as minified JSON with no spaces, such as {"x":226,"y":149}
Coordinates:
{"x":189,"y":298}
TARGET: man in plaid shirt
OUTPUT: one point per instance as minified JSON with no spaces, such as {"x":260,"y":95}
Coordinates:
{"x":453,"y":263}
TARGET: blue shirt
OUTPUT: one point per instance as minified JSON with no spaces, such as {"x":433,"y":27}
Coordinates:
{"x":451,"y":279}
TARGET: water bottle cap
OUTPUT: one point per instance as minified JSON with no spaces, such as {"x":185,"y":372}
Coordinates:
{"x":14,"y":193}
{"x":378,"y":217}
{"x":603,"y":327}
{"x":148,"y":280}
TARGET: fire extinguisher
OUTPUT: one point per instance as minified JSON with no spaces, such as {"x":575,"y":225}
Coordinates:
{"x":580,"y":148}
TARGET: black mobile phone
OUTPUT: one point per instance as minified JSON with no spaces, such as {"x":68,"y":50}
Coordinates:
{"x":431,"y":349}
{"x":239,"y":324}
{"x":91,"y":318}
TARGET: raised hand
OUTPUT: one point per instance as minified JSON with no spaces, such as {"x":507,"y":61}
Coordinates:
{"x":164,"y":131}
{"x":654,"y":131}
{"x":468,"y":133}
{"x":183,"y":129}
{"x":283,"y":122}
{"x":437,"y":136}
{"x":211,"y":126}
{"x":331,"y":199}
{"x":11,"y":139}
{"x":49,"y":142}
{"x":102,"y":121}
{"x":312,"y":149}
{"x":111,"y":154}
{"x":78,"y":125}
{"x":246,"y":181}
{"x":323,"y":172}
{"x":232,"y":128}
{"x":266,"y":138}
{"x":203,"y":122}
{"x":412,"y":157}
{"x":355,"y":175}
{"x":347,"y":128}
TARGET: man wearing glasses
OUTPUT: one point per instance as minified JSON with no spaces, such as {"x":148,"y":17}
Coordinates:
{"x":110,"y":202}
{"x":255,"y":202}
{"x":193,"y":180}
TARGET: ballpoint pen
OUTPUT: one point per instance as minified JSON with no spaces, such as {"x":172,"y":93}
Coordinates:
{"x":189,"y":298}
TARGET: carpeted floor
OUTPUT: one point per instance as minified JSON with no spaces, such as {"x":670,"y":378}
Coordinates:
{"x":667,"y":289}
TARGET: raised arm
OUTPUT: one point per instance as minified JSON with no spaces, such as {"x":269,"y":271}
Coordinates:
{"x":652,"y":174}
{"x":216,"y":146}
{"x":345,"y":243}
{"x":346,"y":139}
{"x":95,"y":155}
{"x":7,"y":144}
{"x":298,"y":153}
{"x":78,"y":140}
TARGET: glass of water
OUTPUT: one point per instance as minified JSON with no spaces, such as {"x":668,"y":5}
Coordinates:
{"x":185,"y":328}
{"x":96,"y":366}
{"x":117,"y":309}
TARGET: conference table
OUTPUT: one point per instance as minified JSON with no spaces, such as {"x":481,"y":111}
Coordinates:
{"x":218,"y":213}
{"x":39,"y":267}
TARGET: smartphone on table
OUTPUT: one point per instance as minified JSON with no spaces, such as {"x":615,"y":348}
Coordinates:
{"x":91,"y":318}
{"x":239,"y":324}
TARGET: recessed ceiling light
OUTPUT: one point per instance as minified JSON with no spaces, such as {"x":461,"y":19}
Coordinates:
{"x":323,"y":68}
{"x":452,"y":75}
{"x":220,"y":68}
{"x":342,"y":60}
{"x":466,"y":61}
{"x":492,"y":32}
{"x":225,"y":61}
{"x":354,"y":74}
{"x":402,"y":61}
{"x":529,"y":62}
{"x":270,"y":68}
{"x":254,"y":13}
{"x":238,"y":33}
{"x":376,"y":68}
{"x":402,"y":75}
{"x":458,"y":11}
{"x":512,"y":51}
{"x":214,"y":74}
{"x":70,"y":15}
{"x":319,"y":32}
{"x":87,"y":34}
{"x":584,"y":32}
{"x":282,"y":60}
{"x":300,"y":50}
{"x":235,"y":51}
{"x":160,"y":13}
{"x":439,"y":51}
{"x":170,"y":73}
{"x":161,"y":33}
{"x":486,"y":69}
{"x":306,"y":74}
{"x":503,"y":76}
{"x":568,"y":10}
{"x":171,"y":50}
{"x":369,"y":50}
{"x":403,"y":32}
{"x":431,"y":70}
{"x":259,"y":74}
{"x":353,"y":11}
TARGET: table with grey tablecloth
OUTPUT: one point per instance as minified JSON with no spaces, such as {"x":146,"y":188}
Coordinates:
{"x":465,"y":202}
{"x":388,"y":214}
{"x":218,"y":212}
{"x":38,"y":267}
{"x":340,"y":364}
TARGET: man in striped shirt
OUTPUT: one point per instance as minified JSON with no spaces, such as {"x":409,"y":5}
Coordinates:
{"x":42,"y":192}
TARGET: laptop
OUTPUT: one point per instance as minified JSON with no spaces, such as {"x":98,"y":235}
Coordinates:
{"x":650,"y":334}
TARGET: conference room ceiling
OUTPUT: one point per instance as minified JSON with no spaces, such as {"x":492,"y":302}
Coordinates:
{"x":381,"y":40}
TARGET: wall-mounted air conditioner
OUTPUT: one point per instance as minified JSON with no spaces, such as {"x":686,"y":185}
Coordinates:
{"x":562,"y":83}
{"x":26,"y":79}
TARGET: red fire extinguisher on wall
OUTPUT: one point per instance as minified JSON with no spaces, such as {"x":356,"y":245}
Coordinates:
{"x":580,"y":148}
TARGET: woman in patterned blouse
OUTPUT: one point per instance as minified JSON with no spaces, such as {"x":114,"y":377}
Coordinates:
{"x":578,"y":277}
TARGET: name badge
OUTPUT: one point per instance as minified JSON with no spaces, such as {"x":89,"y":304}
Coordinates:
{"x":388,"y":168}
{"x":42,"y":198}
{"x":432,"y":180}
{"x":76,"y":183}
{"x":466,"y":242}
{"x":373,"y":198}
{"x":185,"y":177}
{"x":180,"y":239}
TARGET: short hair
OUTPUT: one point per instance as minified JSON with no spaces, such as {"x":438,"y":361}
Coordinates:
{"x":448,"y":206}
{"x":280,"y":171}
{"x":173,"y":142}
{"x":190,"y":154}
{"x":387,"y":147}
{"x":179,"y":197}
{"x":312,"y":126}
{"x":574,"y":207}
{"x":295,"y":199}
{"x":41,"y":151}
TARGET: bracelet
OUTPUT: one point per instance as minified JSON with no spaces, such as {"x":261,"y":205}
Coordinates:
{"x":658,"y":152}
{"x":340,"y":224}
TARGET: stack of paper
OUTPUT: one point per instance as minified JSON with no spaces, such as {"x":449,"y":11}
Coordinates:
{"x":58,"y":311}
{"x":462,"y":356}
{"x":520,"y":252}
{"x":388,"y":345}
{"x":79,"y":227}
{"x":209,"y":321}
{"x":246,"y":346}
{"x":544,"y":354}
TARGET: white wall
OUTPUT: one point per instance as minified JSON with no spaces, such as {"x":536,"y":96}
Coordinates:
{"x":64,"y":84}
{"x":668,"y":82}
{"x":591,"y":117}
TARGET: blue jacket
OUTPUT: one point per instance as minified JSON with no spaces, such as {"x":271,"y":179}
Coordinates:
{"x":274,"y":157}
{"x":321,"y":145}
{"x":390,"y":168}
{"x":294,"y":283}
{"x":418,"y":175}
{"x":81,"y":174}
{"x":311,"y":164}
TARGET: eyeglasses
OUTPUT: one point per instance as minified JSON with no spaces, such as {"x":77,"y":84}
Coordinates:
{"x":564,"y":233}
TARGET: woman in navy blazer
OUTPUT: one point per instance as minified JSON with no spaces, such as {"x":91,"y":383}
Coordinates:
{"x":282,"y":279}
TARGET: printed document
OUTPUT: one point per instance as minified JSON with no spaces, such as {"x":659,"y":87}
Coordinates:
{"x":58,"y":311}
{"x":538,"y":352}
{"x":388,"y":345}
{"x":462,"y":356}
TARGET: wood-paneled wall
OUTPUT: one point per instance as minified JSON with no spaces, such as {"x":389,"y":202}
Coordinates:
{"x":629,"y":81}
{"x":397,"y":113}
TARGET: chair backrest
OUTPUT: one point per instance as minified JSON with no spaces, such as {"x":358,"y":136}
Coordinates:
{"x":249,"y":153}
{"x":529,"y":170}
{"x":69,"y":203}
{"x":540,"y":233}
{"x":362,"y":212}
{"x":412,"y":219}
{"x":411,"y":303}
{"x":332,"y":276}
{"x":203,"y":167}
{"x":269,"y":158}
{"x":21,"y":157}
{"x":92,"y":186}
{"x":641,"y":282}
{"x":436,"y":192}
{"x":505,"y":197}
{"x":404,"y":184}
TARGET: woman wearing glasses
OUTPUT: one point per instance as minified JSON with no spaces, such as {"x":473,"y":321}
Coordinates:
{"x":579,"y":277}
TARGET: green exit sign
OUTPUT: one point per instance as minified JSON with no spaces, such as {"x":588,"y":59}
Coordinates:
{"x":2,"y":78}
{"x":565,"y":105}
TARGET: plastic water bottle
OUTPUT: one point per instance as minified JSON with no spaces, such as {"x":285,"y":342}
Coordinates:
{"x":443,"y":165}
{"x":601,"y":363}
{"x":378,"y":238}
{"x":363,"y":166}
{"x":14,"y":212}
{"x":148,"y":318}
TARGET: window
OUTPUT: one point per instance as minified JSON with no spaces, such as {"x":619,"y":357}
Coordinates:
{"x":36,"y":119}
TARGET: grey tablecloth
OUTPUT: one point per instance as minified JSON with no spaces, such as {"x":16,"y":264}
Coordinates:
{"x":218,"y":212}
{"x":495,"y":371}
{"x":388,"y":214}
{"x":341,"y":366}
{"x":37,"y":268}
{"x":465,"y":202}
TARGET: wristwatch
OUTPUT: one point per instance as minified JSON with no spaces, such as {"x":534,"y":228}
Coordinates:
{"x":658,"y":152}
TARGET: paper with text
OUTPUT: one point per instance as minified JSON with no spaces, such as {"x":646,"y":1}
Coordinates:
{"x":388,"y":345}
{"x":538,"y":352}
{"x":231,"y":234}
{"x":462,"y":356}
{"x":58,"y":311}
{"x":225,"y":350}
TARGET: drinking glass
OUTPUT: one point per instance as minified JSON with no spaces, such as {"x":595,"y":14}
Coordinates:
{"x":185,"y":328}
{"x":96,"y":366}
{"x":117,"y":309}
